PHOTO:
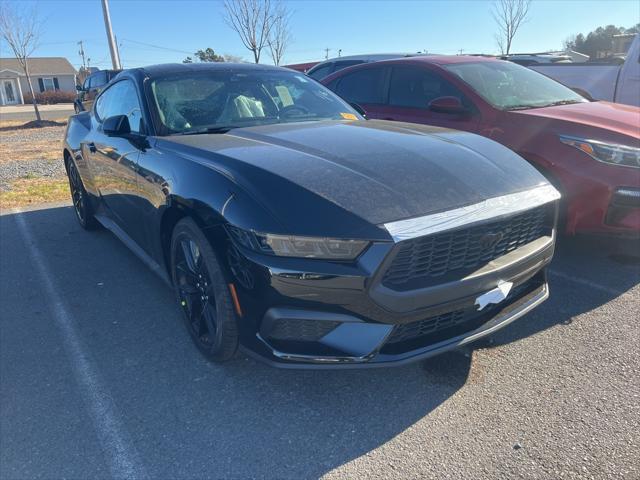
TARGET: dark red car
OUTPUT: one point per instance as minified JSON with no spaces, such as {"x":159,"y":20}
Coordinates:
{"x":589,"y":150}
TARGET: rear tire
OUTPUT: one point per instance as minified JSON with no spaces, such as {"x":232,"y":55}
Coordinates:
{"x":203,"y":293}
{"x":80,"y":198}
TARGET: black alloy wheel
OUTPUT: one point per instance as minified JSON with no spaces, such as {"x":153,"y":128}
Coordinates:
{"x":203,"y":293}
{"x":80,"y":199}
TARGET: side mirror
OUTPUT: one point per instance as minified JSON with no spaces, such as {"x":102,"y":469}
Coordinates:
{"x":451,"y":105}
{"x":117,"y":126}
{"x":359,"y":109}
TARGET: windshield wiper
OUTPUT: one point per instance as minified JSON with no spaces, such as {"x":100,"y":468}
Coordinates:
{"x":219,"y":129}
{"x":552,"y":104}
{"x":520,"y":107}
{"x":562,"y":102}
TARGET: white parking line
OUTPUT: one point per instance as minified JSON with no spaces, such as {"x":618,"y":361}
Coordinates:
{"x":589,"y":283}
{"x":122,"y":458}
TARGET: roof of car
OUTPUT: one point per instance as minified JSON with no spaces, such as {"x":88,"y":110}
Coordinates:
{"x":444,"y":59}
{"x":172,"y":68}
{"x":370,"y":56}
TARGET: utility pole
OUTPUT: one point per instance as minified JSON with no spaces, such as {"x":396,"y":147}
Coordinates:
{"x":115,"y":59}
{"x":81,"y":53}
{"x":326,"y":53}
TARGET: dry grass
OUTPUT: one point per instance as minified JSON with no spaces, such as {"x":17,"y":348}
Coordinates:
{"x":33,"y":191}
{"x":17,"y":124}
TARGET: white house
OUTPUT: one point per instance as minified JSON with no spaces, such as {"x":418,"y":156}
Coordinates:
{"x":47,"y":73}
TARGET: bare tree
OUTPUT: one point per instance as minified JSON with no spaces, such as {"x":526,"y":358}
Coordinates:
{"x":509,"y":15}
{"x":252,"y":20}
{"x":232,"y":58}
{"x":20,"y":28}
{"x":280,"y":34}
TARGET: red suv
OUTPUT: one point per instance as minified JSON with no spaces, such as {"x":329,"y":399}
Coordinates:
{"x":589,"y":150}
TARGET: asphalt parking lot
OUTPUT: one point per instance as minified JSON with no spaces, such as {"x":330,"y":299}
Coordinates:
{"x":99,"y":379}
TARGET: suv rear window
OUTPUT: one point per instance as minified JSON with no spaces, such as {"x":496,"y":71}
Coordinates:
{"x":97,"y":79}
{"x":346,"y":63}
{"x":321,"y":72}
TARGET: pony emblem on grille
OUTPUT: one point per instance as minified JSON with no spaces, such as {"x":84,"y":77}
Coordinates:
{"x":491,"y":239}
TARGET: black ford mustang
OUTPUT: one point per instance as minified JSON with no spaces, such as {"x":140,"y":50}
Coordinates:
{"x":288,"y":224}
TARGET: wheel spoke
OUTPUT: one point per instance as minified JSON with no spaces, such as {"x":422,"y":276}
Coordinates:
{"x":195,"y":292}
{"x":76,"y":191}
{"x":186,"y":274}
{"x":188,"y":254}
{"x":197,"y":258}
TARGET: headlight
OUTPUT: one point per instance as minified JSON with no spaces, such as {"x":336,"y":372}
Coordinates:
{"x":603,"y":152}
{"x":294,"y":246}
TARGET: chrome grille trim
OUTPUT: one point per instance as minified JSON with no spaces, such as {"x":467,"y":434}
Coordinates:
{"x":493,"y":207}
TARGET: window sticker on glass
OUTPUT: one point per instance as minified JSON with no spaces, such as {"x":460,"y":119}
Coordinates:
{"x":285,"y":95}
{"x":348,"y":116}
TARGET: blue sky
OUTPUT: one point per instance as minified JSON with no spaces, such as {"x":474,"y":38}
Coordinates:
{"x":181,"y":27}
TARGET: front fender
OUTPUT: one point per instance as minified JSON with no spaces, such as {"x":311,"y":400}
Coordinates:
{"x":174,"y":185}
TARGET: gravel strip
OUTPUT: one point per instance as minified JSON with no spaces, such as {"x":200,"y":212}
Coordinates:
{"x":15,"y":170}
{"x":53,"y":134}
{"x":17,"y":141}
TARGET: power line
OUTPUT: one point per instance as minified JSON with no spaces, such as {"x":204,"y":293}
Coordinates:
{"x":155,"y":46}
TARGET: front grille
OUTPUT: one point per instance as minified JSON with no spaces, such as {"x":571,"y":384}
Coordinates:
{"x":301,"y":330}
{"x":421,"y":328}
{"x":437,"y":258}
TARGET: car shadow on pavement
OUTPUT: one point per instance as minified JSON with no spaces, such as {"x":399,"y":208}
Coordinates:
{"x":190,"y":418}
{"x":185,"y":416}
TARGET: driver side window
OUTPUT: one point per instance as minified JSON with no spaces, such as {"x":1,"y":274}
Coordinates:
{"x":415,"y":87}
{"x":120,"y":99}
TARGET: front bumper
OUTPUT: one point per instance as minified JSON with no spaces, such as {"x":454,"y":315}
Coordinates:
{"x":445,"y":281}
{"x":601,"y":198}
{"x":358,"y":344}
{"x":344,"y":317}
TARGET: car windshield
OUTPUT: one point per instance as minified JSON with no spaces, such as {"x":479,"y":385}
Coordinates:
{"x":203,"y":102}
{"x":508,"y":86}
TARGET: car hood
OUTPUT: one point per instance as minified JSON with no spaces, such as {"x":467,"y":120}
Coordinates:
{"x":615,"y":117}
{"x":379,"y":171}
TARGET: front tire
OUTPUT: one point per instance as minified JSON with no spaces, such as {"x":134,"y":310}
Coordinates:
{"x":80,"y":198}
{"x":203,"y":293}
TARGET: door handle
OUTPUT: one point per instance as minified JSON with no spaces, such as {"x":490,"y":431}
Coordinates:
{"x":92,"y":147}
